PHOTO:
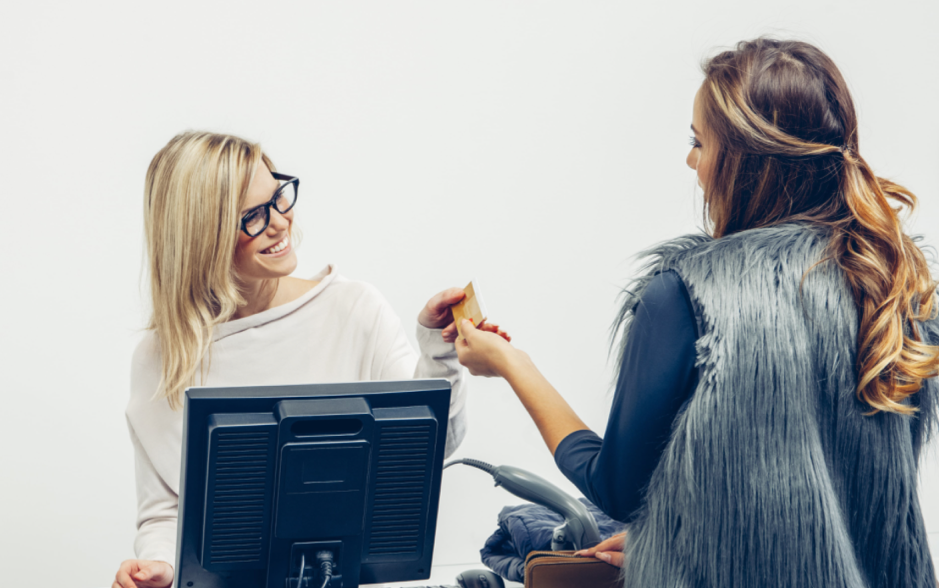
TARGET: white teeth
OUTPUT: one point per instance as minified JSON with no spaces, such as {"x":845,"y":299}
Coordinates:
{"x":278,"y":246}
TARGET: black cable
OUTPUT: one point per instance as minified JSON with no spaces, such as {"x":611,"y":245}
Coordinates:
{"x":480,"y":465}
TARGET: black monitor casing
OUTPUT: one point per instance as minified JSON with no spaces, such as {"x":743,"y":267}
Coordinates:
{"x":272,"y":472}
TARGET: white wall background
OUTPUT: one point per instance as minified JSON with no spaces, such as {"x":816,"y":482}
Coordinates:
{"x":533,"y":145}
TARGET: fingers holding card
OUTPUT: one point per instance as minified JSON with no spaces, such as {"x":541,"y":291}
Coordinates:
{"x":471,"y":307}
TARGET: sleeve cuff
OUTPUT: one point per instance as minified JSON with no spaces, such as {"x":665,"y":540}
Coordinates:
{"x":574,"y":441}
{"x":159,"y":552}
{"x":431,"y":343}
{"x":157,"y":541}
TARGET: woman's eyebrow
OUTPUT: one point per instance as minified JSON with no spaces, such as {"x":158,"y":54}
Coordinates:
{"x":693,"y":129}
{"x":250,"y":208}
{"x":262,"y":204}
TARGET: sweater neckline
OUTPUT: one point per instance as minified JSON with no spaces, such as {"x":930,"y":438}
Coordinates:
{"x":325,"y":276}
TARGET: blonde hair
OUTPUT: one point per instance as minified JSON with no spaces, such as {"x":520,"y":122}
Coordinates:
{"x":786,"y":136}
{"x":194,"y":190}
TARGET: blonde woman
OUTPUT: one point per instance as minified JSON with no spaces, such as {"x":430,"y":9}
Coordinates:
{"x":226,"y":312}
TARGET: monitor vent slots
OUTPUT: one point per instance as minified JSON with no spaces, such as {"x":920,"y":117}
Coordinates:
{"x":238,"y":497}
{"x":402,"y":467}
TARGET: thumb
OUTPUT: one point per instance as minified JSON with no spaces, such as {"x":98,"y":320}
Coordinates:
{"x":163,"y":573}
{"x":143,"y":574}
{"x":442,"y":301}
{"x":465,"y":327}
{"x":452,"y":296}
{"x":614,"y":558}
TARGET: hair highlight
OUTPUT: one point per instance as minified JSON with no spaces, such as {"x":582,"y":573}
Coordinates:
{"x":786,"y":149}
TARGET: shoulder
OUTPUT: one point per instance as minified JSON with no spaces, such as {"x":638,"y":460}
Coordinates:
{"x":361,"y":306}
{"x":146,"y":373}
{"x":666,"y":299}
{"x":664,"y":287}
{"x":773,"y":241}
{"x":354,"y":295}
{"x":146,"y":364}
{"x":674,"y":270}
{"x":782,"y":250}
{"x":657,"y":296}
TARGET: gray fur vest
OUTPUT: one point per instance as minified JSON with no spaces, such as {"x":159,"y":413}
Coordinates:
{"x":773,"y":475}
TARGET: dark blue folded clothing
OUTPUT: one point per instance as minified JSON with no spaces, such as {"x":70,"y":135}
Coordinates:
{"x":528,"y":527}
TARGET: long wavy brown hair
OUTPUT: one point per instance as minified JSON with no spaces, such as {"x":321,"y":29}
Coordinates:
{"x":783,"y":125}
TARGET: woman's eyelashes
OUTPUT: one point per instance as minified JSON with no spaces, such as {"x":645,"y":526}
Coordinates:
{"x":694,"y":142}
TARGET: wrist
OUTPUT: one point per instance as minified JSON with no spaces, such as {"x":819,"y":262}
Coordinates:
{"x":422,"y":326}
{"x":423,"y":321}
{"x":514,"y":365}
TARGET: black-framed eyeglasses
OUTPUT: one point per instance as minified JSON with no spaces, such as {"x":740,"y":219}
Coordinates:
{"x":256,"y":220}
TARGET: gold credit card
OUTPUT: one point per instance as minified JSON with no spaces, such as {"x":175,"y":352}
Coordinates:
{"x":471,"y":307}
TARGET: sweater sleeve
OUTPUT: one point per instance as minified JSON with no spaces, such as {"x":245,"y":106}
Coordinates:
{"x":657,"y":376}
{"x":437,"y":359}
{"x":157,"y":508}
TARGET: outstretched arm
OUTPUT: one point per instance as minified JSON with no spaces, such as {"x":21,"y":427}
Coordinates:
{"x":657,"y":376}
{"x":394,"y":358}
{"x":488,"y":354}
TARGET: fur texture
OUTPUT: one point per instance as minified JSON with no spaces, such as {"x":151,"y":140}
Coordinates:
{"x":773,"y":475}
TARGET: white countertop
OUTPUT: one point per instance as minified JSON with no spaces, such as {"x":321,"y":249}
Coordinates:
{"x":444,"y":575}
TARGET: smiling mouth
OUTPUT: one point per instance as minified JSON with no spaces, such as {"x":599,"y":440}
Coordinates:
{"x":277,"y":247}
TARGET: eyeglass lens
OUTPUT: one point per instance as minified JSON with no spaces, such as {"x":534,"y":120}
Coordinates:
{"x":286,"y":198}
{"x":257,"y":220}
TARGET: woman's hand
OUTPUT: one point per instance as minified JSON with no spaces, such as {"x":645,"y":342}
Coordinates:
{"x":483,"y":351}
{"x":142,"y":573}
{"x":488,"y":354}
{"x":609,"y":550}
{"x":436,"y":314}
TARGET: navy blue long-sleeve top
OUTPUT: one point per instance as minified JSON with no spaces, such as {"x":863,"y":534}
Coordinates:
{"x":657,"y":376}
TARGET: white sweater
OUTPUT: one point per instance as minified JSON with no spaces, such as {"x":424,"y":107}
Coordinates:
{"x":339,"y":331}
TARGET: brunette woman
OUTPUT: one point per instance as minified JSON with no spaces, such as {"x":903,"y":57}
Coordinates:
{"x":778,"y":375}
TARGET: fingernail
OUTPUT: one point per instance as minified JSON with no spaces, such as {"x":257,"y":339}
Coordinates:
{"x":603,"y":556}
{"x":580,"y":553}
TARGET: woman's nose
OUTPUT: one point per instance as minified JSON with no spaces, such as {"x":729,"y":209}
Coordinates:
{"x":692,"y":159}
{"x":279,"y":222}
